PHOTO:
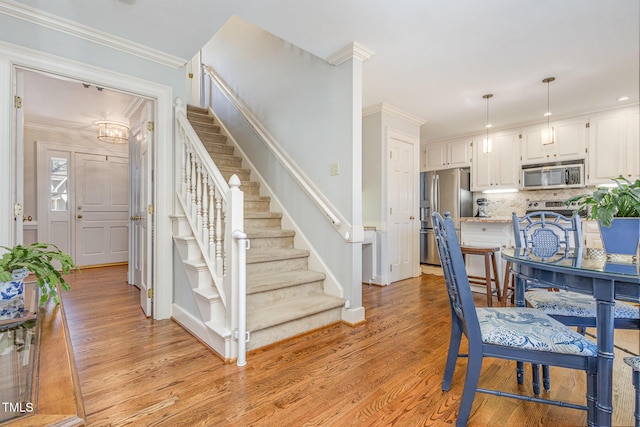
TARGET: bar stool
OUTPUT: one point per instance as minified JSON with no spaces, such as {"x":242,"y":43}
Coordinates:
{"x":634,"y":362}
{"x":509,"y":284}
{"x":489,"y":255}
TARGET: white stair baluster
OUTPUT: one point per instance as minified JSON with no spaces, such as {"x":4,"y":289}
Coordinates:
{"x":204,"y":233}
{"x":199,"y":198}
{"x":218,"y":237}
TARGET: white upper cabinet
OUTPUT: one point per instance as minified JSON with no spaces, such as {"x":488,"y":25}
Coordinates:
{"x":614,"y":146}
{"x":448,"y":154}
{"x":569,"y":143}
{"x":496,"y":166}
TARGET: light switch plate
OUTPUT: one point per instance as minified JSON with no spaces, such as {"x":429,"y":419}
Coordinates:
{"x":334,"y":169}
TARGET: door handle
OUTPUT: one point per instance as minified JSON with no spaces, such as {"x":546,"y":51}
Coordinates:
{"x":27,"y":218}
{"x":79,"y":216}
{"x":411,"y":217}
{"x":135,"y":218}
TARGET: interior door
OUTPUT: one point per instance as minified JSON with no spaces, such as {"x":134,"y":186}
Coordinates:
{"x":402,"y":233}
{"x":141,"y":257}
{"x":102,"y":207}
{"x":18,"y":129}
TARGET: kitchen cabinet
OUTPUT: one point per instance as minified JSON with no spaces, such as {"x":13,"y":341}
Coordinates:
{"x":448,"y":154}
{"x":497,"y":166}
{"x":614,"y":146}
{"x":486,"y":233}
{"x":591,"y":234}
{"x":569,"y":144}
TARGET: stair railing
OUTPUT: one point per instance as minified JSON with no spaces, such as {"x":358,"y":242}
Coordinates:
{"x":214,"y":210}
{"x":325,"y":206}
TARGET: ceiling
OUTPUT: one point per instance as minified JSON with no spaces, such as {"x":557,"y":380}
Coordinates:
{"x":432,"y":59}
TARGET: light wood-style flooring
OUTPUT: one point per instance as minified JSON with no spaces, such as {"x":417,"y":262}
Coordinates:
{"x":387,"y":371}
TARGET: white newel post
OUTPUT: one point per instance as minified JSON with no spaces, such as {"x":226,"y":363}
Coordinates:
{"x":235,"y":271}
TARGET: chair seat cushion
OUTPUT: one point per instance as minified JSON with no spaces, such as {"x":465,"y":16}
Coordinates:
{"x":567,"y":303}
{"x":530,"y":329}
{"x":633,"y":361}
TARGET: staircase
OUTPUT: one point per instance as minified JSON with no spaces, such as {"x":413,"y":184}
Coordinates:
{"x":284,"y":297}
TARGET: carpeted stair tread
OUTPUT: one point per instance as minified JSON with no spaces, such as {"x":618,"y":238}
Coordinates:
{"x":268,"y":282}
{"x":255,"y":198}
{"x":231,"y":169}
{"x":276,"y":314}
{"x":265,"y":233}
{"x":278,"y":254}
{"x":262,"y":215}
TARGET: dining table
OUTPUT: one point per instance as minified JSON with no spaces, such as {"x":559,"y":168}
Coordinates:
{"x":588,"y":271}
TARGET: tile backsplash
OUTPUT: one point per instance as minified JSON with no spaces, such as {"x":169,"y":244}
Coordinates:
{"x":503,"y":204}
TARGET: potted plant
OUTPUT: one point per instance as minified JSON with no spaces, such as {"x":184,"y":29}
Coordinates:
{"x":45,"y":260}
{"x":617,"y":210}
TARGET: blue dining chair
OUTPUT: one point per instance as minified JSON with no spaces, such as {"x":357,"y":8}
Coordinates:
{"x":634,"y":362}
{"x":548,"y":234}
{"x":513,"y":333}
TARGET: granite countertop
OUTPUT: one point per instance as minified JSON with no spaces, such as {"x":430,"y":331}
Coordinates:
{"x":496,"y":219}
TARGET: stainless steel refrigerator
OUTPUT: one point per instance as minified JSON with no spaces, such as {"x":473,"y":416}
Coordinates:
{"x":442,"y":191}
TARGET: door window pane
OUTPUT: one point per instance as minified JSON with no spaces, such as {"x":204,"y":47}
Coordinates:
{"x":59,"y":179}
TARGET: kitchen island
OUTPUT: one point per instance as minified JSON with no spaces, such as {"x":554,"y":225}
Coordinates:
{"x":486,"y":232}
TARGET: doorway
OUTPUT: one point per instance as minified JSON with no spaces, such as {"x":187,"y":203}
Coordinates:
{"x":402,"y":190}
{"x":76,"y":188}
{"x":16,"y":58}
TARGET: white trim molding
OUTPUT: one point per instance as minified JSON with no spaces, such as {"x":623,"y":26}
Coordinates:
{"x":45,"y":19}
{"x":353,"y":50}
{"x":395,"y":111}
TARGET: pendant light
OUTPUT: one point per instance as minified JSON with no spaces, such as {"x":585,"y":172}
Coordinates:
{"x":548,"y":134}
{"x":113,"y":132}
{"x":486,"y":143}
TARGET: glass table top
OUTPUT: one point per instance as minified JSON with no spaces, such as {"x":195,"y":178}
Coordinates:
{"x":19,"y":339}
{"x":593,"y":259}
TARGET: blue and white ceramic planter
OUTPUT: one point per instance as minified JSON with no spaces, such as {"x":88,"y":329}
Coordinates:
{"x":12,"y":293}
{"x":15,"y":287}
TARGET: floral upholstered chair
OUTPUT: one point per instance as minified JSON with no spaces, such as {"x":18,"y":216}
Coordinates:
{"x":514,"y":333}
{"x":634,"y":362}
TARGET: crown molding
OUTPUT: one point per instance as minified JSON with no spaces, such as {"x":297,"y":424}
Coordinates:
{"x":353,"y":50}
{"x":61,"y":129}
{"x":44,"y":19}
{"x":395,"y":111}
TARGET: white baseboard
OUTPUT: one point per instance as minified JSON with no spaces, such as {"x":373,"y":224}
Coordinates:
{"x":353,"y":316}
{"x":218,"y":341}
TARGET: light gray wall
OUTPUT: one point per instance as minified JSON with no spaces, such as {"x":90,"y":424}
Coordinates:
{"x":372,"y":181}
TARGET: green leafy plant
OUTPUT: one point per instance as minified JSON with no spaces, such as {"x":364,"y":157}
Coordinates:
{"x":606,"y":203}
{"x":39,"y":259}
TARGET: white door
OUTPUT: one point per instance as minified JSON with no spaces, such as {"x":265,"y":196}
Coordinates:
{"x":102,"y":208}
{"x":401,"y":197}
{"x":18,"y":129}
{"x":141,"y":256}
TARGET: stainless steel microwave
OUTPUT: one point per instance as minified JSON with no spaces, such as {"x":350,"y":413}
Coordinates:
{"x":536,"y":177}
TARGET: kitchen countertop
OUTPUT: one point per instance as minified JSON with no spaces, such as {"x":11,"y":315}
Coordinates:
{"x":490,"y":219}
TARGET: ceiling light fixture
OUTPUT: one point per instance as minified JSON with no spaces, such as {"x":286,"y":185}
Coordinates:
{"x":486,"y":144}
{"x":113,"y":132}
{"x":548,"y":134}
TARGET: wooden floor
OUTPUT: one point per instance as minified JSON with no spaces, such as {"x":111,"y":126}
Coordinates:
{"x":135,"y":371}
